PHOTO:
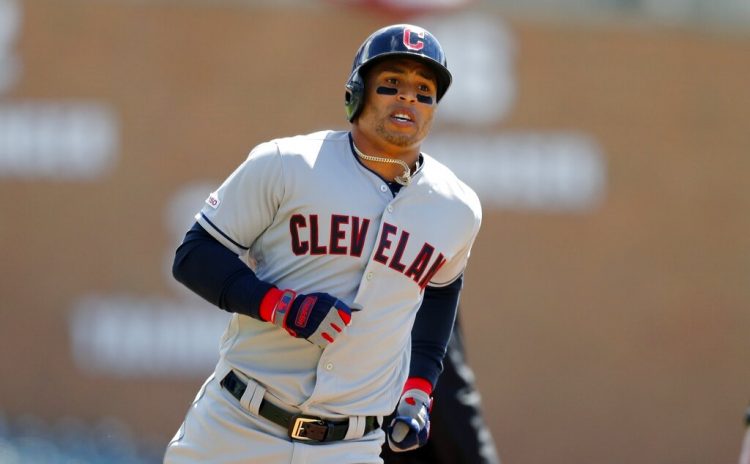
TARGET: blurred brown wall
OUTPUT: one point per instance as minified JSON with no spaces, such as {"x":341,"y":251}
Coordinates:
{"x":616,"y":335}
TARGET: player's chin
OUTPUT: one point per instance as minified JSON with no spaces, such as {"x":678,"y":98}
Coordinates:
{"x":410,"y":133}
{"x":401,"y":140}
{"x":401,"y":136}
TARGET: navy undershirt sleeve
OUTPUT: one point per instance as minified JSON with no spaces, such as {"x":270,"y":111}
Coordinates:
{"x":432,"y":330}
{"x":217,"y":274}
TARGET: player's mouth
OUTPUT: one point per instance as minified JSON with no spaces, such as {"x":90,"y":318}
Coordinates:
{"x":403,"y":118}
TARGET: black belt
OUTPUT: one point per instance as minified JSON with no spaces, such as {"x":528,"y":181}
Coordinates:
{"x":299,"y":426}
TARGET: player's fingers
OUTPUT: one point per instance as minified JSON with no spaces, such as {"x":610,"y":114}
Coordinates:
{"x":334,"y":330}
{"x":345,"y":313}
{"x":345,"y":317}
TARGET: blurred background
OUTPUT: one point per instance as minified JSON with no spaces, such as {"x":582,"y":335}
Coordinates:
{"x":607,"y":303}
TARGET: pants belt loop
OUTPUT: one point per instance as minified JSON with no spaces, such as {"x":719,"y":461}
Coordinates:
{"x":356,"y":427}
{"x":252,"y":396}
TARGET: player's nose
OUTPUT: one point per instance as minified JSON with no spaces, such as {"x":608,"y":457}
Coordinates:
{"x":407,"y":95}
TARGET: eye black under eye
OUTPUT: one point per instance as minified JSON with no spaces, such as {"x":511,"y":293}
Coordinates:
{"x":386,"y":90}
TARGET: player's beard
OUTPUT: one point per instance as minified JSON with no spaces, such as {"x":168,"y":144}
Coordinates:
{"x":401,"y":139}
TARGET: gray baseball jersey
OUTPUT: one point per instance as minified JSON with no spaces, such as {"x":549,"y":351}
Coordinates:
{"x":314,"y":219}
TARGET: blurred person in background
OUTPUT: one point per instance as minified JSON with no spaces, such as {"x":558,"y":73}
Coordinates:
{"x":745,"y":451}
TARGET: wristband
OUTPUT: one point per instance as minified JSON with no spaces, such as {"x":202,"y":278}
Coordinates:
{"x":275,"y":305}
{"x":419,"y":383}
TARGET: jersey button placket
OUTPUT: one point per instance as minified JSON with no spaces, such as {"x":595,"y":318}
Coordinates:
{"x":383,"y":188}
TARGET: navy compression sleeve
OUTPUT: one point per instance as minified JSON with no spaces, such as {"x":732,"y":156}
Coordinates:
{"x":217,"y":274}
{"x":432,"y":330}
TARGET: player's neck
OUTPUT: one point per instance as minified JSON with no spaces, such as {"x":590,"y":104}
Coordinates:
{"x":409,"y":155}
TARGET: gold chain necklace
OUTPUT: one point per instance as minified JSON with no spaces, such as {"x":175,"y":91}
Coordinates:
{"x":404,"y":179}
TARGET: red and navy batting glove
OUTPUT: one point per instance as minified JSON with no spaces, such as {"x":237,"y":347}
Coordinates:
{"x":318,"y":317}
{"x":410,"y":427}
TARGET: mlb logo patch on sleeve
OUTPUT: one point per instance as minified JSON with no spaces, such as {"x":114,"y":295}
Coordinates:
{"x":213,"y":200}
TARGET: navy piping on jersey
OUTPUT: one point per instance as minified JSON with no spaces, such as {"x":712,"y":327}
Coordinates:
{"x":394,"y":186}
{"x":222,"y":233}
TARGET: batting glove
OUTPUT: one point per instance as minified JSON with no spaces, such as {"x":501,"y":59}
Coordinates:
{"x":410,"y":428}
{"x":318,"y":317}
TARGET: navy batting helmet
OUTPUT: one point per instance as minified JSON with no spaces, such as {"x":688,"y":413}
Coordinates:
{"x":397,"y":40}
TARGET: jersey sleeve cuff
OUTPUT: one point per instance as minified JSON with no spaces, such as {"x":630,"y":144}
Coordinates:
{"x":219,"y":235}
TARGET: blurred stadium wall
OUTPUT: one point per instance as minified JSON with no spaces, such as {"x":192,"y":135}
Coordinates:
{"x":607,"y":300}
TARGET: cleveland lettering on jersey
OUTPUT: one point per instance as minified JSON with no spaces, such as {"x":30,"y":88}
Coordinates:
{"x":389,"y":251}
{"x":336,"y":244}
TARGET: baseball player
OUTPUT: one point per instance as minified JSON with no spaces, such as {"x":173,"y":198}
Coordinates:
{"x":458,"y":433}
{"x":359,"y":243}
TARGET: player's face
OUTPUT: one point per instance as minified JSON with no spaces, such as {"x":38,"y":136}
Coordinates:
{"x":400,"y":98}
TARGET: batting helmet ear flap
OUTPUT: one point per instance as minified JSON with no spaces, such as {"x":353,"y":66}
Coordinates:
{"x":355,"y":95}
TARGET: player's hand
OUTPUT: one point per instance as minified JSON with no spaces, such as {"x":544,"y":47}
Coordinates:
{"x":318,"y":317}
{"x":410,"y":427}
